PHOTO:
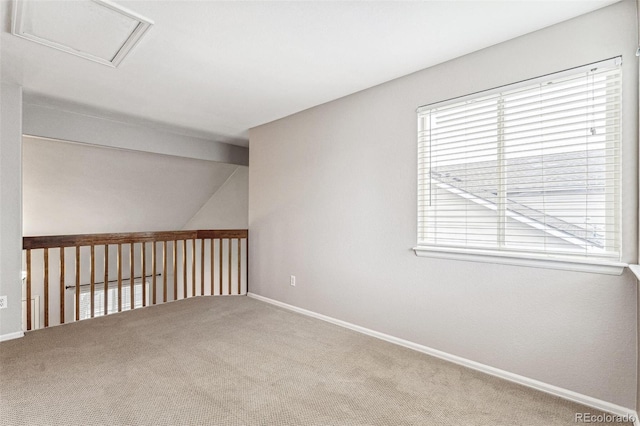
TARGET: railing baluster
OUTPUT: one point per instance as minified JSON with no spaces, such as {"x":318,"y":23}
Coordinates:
{"x":106,"y":279}
{"x":29,"y":325}
{"x":193,"y":267}
{"x":61,"y":285}
{"x":132,"y":263}
{"x":46,"y":287}
{"x":229,"y":240}
{"x":164,"y":271}
{"x":77,"y":295}
{"x":119,"y":265}
{"x":175,"y":270}
{"x":239,"y":265}
{"x":184,"y":269}
{"x":220,"y":267}
{"x":202,"y":267}
{"x":154,"y":272}
{"x":212,"y":267}
{"x":246,"y":262}
{"x":143,"y":254}
{"x":92,"y":267}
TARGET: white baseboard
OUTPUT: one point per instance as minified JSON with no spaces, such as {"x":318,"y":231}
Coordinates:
{"x":506,"y":375}
{"x":11,"y":336}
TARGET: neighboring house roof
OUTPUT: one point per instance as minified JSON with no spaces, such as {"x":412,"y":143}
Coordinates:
{"x":530,"y":177}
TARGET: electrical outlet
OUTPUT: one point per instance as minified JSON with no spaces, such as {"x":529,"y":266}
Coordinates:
{"x":292,"y":280}
{"x":3,"y":302}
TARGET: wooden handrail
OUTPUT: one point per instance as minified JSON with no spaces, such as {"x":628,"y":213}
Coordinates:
{"x":54,"y":241}
{"x":222,"y":233}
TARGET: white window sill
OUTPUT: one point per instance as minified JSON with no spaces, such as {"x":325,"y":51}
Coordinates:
{"x":579,"y":265}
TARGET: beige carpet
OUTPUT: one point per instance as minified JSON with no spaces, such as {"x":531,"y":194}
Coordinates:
{"x":239,"y":361}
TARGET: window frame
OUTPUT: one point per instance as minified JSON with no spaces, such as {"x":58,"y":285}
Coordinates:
{"x":514,"y":257}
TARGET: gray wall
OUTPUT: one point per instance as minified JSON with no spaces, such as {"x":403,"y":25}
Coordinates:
{"x":332,"y":200}
{"x":10,"y":207}
{"x":71,"y":188}
{"x":638,"y":260}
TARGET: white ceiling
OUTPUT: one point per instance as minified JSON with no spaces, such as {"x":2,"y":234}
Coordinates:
{"x":219,"y":68}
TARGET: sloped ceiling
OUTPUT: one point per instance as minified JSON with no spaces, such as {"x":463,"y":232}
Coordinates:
{"x":221,"y":67}
{"x":72,"y":189}
{"x":228,"y":208}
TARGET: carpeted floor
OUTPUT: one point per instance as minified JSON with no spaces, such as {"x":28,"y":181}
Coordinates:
{"x":239,"y":361}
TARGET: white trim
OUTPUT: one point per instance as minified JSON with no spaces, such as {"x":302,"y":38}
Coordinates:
{"x":11,"y":336}
{"x":510,"y":258}
{"x":506,"y":375}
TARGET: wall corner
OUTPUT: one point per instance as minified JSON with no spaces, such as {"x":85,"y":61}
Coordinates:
{"x":11,"y":208}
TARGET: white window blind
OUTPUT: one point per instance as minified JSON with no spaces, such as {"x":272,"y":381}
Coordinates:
{"x":532,"y":168}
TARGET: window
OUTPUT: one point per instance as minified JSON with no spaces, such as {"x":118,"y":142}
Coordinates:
{"x":112,"y":298}
{"x":530,"y":170}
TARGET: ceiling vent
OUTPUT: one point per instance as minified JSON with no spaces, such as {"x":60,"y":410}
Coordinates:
{"x":98,"y":30}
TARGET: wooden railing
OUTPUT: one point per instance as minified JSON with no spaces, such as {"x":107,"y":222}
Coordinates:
{"x":152,"y":258}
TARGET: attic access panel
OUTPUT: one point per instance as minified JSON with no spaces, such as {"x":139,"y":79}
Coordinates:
{"x":98,"y":30}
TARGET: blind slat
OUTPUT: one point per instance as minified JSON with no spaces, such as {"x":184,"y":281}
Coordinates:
{"x":563,"y":135}
{"x":536,"y":109}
